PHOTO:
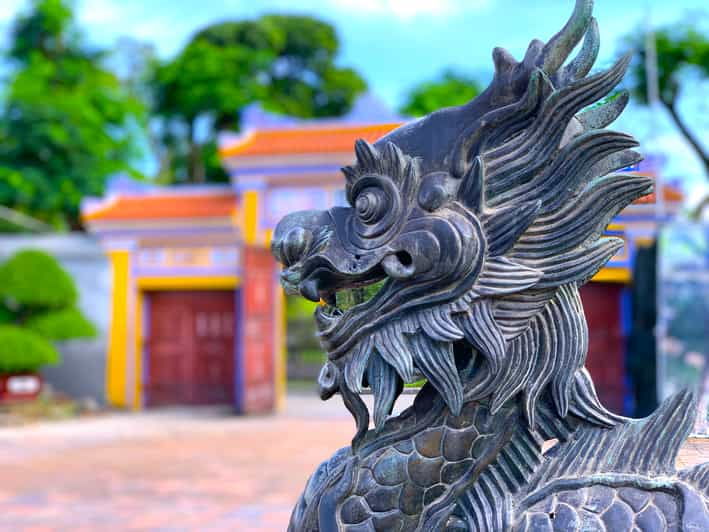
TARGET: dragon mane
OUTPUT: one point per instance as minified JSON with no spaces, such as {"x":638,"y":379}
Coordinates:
{"x":538,"y":174}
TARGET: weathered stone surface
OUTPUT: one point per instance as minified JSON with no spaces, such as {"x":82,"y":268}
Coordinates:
{"x":433,"y":493}
{"x":546,"y":506}
{"x":484,"y":421}
{"x":599,"y":498}
{"x":637,"y":499}
{"x":428,"y":443}
{"x":618,"y":517}
{"x":390,"y":522}
{"x":383,"y":499}
{"x":405,"y":446}
{"x":650,"y":519}
{"x":457,"y":444}
{"x":425,"y":472}
{"x":354,"y":511}
{"x":390,"y":469}
{"x":575,"y":498}
{"x":451,"y":472}
{"x":480,"y":447}
{"x":565,"y":519}
{"x":591,"y":522}
{"x":365,"y":482}
{"x":465,"y":419}
{"x":367,"y":526}
{"x":667,"y":506}
{"x":411,"y":500}
{"x":539,"y":522}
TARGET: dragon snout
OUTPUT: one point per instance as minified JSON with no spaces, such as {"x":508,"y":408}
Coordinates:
{"x":296,"y":234}
{"x":293,"y":247}
{"x":296,"y":238}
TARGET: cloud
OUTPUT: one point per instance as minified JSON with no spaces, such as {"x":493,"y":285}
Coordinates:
{"x":408,"y":9}
{"x":100,"y":12}
{"x":9,"y":10}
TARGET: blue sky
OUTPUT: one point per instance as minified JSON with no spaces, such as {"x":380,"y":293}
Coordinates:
{"x":398,"y":43}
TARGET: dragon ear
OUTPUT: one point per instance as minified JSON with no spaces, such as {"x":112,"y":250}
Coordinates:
{"x":350,"y":173}
{"x":394,"y":162}
{"x":367,"y":156}
{"x":503,"y":226}
{"x":471,"y":192}
{"x":501,"y":275}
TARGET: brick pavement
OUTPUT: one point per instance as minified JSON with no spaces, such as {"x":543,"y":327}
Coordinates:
{"x":172,"y":470}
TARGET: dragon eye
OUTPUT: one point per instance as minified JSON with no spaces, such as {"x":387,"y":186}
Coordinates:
{"x":370,"y":205}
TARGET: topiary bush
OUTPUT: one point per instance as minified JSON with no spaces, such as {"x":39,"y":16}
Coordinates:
{"x":63,"y":324}
{"x":37,"y":307}
{"x":23,"y":351}
{"x":32,"y":278}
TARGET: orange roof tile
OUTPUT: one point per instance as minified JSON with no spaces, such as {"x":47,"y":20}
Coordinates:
{"x":668,"y":194}
{"x":165,"y":206}
{"x":322,"y":139}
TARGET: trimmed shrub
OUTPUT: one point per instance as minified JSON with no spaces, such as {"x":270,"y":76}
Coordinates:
{"x":24,"y":351}
{"x":6,"y":315}
{"x":63,"y":324}
{"x":37,"y":307}
{"x":35,"y":279}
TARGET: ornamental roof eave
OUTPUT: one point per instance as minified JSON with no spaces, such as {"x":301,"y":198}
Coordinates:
{"x":168,"y":203}
{"x":165,"y":212}
{"x":314,"y":139}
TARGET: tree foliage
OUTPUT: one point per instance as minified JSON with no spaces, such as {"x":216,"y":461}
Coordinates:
{"x":67,"y":122}
{"x":62,"y":324}
{"x":449,"y":89}
{"x":23,"y":351}
{"x":37,"y":307}
{"x":285,"y":62}
{"x":71,"y":116}
{"x":33,"y":278}
{"x":682,"y":58}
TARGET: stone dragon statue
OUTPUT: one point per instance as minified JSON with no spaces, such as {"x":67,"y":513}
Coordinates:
{"x":477,"y":224}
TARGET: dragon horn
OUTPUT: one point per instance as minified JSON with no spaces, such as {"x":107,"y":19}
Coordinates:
{"x":560,"y":45}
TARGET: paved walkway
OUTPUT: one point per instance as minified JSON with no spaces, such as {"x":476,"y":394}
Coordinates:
{"x":181,"y":469}
{"x":172,"y":470}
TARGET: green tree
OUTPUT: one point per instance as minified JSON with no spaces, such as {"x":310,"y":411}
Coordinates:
{"x":449,"y":89}
{"x":285,"y":62}
{"x":682,"y":59}
{"x":67,"y":122}
{"x":37,"y":307}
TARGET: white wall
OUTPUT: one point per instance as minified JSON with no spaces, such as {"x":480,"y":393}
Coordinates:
{"x":82,"y":373}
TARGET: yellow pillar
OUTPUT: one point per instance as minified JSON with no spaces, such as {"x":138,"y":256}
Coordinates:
{"x":250,"y":199}
{"x":280,"y":369}
{"x":116,"y":364}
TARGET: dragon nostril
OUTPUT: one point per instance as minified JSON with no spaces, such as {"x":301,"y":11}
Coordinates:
{"x":404,"y":258}
{"x":400,"y":265}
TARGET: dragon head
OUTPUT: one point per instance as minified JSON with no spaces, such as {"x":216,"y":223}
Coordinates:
{"x":467,"y":235}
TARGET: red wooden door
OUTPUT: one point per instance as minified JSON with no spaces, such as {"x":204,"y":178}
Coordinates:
{"x":606,"y":347}
{"x":190,"y":348}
